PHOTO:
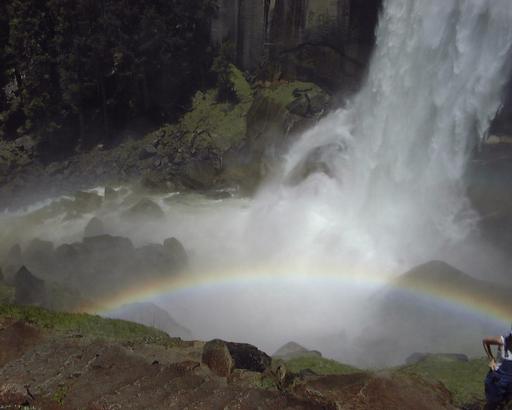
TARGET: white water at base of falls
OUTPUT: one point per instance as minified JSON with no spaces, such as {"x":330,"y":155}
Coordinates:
{"x":398,"y":153}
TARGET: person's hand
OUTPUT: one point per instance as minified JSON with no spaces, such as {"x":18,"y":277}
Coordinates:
{"x":492,"y":365}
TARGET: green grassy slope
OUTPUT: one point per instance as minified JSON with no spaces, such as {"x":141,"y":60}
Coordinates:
{"x":88,"y":325}
{"x":464,"y":379}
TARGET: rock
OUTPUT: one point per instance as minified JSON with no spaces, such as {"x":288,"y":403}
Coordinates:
{"x":110,"y":194}
{"x":320,"y":159}
{"x":292,"y":349}
{"x":109,"y":245}
{"x":13,"y":395}
{"x":13,"y":262}
{"x":30,"y":290}
{"x":300,"y":106}
{"x":147,"y":151}
{"x":176,"y":251}
{"x":94,"y":227}
{"x":26,"y":143}
{"x":245,"y":379}
{"x":145,"y":209}
{"x":86,"y":202}
{"x":217,"y":357}
{"x":249,"y":357}
{"x":201,"y":174}
{"x":153,"y":257}
{"x":39,"y":255}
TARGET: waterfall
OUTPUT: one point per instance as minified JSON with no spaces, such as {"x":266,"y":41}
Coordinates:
{"x":390,"y":186}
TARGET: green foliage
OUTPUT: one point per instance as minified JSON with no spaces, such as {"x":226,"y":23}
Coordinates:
{"x":6,"y":293}
{"x":464,"y":379}
{"x":60,"y":395}
{"x":225,"y":123}
{"x":79,"y":68}
{"x":88,"y":325}
{"x":319,"y":365}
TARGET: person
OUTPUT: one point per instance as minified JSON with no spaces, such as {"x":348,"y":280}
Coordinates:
{"x":498,"y":382}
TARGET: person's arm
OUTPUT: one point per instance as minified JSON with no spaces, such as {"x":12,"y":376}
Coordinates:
{"x":488,"y":342}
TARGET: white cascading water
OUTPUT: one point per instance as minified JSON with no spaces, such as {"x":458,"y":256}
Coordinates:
{"x":397,"y":155}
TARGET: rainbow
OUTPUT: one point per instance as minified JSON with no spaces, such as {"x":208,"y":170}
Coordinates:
{"x":481,"y":304}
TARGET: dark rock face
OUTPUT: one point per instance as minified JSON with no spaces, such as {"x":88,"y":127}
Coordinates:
{"x":327,"y":42}
{"x":217,"y":357}
{"x":38,"y":255}
{"x":13,"y":262}
{"x":30,"y":290}
{"x":249,"y":357}
{"x":94,"y":227}
{"x":223,"y":357}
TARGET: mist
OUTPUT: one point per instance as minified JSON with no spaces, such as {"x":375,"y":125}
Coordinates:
{"x":370,"y":192}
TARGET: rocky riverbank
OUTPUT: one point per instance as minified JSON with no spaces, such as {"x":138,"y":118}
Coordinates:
{"x":215,"y":145}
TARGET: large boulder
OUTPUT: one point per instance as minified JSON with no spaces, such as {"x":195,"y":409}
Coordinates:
{"x":29,"y":290}
{"x":12,"y":263}
{"x":39,"y":256}
{"x":217,"y":357}
{"x":176,"y":252}
{"x":145,"y":209}
{"x":94,"y":227}
{"x":108,"y":244}
{"x":249,"y":357}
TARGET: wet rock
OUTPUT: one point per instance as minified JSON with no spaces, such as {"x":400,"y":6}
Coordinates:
{"x":26,"y":143}
{"x":94,"y":227}
{"x":147,"y":151}
{"x":110,"y":194}
{"x":145,"y":209}
{"x":86,"y":202}
{"x":321,"y":159}
{"x":175,"y":251}
{"x":201,"y":174}
{"x":153,"y":257}
{"x":109,"y":245}
{"x":217,"y":357}
{"x":39,"y":255}
{"x":13,"y":262}
{"x":29,"y":290}
{"x":248,"y":357}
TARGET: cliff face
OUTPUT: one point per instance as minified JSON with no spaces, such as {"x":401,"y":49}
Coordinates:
{"x":326,"y":41}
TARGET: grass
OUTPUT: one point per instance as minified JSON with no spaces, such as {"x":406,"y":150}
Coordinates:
{"x":464,"y":379}
{"x":225,"y":122}
{"x":88,"y":325}
{"x":6,"y":294}
{"x":319,"y":365}
{"x":282,"y":93}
